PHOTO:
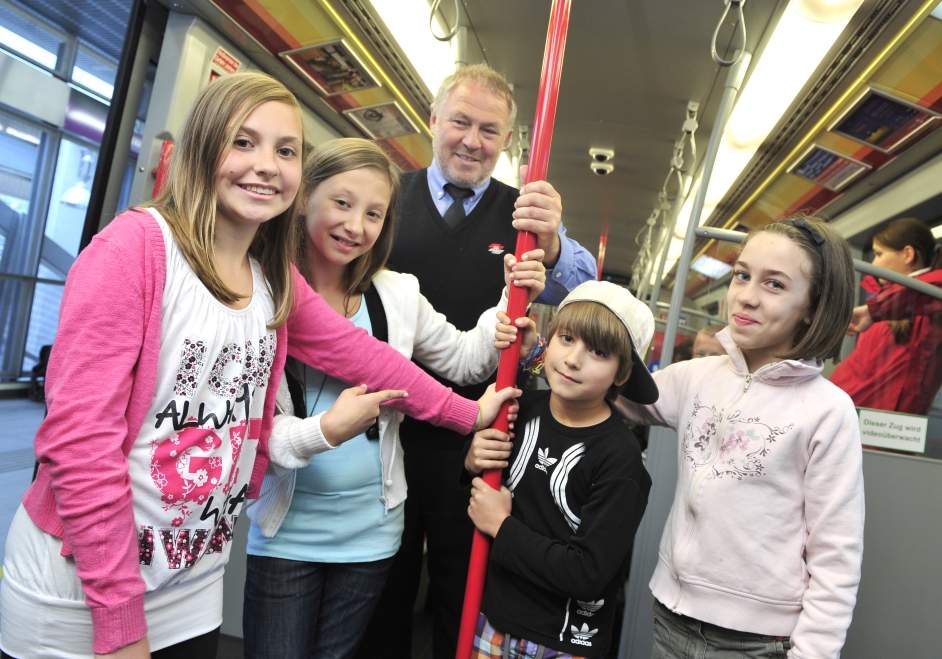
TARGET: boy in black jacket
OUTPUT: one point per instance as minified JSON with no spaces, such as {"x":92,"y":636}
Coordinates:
{"x":576,"y":482}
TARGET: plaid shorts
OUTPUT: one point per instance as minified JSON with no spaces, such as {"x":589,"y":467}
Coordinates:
{"x":492,"y":644}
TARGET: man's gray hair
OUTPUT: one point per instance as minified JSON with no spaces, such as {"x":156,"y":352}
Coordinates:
{"x":483,"y":76}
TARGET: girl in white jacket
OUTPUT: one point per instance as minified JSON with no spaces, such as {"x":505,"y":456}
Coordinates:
{"x":761,"y":552}
{"x":324,"y":532}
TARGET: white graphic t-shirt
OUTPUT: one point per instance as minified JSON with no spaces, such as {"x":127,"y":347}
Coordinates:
{"x":193,"y":458}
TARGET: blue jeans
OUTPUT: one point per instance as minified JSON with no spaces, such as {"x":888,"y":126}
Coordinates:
{"x":677,"y":636}
{"x":297,"y":610}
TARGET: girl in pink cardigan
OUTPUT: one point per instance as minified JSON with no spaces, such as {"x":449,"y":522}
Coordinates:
{"x":174,"y":328}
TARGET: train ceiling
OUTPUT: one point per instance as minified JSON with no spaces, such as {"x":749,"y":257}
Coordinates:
{"x":631,"y":68}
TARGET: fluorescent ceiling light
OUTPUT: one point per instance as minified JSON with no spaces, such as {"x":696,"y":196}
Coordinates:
{"x":26,"y":137}
{"x":937,"y":232}
{"x":711,"y":267}
{"x":802,"y":38}
{"x":92,"y":82}
{"x":827,"y":11}
{"x":28,"y":48}
{"x":800,"y":41}
{"x":408,"y":22}
{"x":78,"y":195}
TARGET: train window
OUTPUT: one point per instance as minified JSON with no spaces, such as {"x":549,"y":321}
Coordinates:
{"x":46,"y":177}
{"x":19,"y":151}
{"x":66,"y":217}
{"x":25,"y":37}
{"x":43,"y":321}
{"x":94,"y":72}
{"x":22,"y":149}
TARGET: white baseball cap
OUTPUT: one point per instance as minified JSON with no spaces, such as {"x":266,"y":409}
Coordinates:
{"x":638,"y":320}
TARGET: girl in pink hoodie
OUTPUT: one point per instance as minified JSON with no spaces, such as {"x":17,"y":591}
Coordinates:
{"x":761,"y":552}
{"x":174,"y":328}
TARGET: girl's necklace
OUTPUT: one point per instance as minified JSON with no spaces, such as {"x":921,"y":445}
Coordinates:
{"x":320,"y":388}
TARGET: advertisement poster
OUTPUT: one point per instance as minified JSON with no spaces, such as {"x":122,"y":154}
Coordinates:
{"x":381,"y":122}
{"x":827,"y":168}
{"x":331,"y":68}
{"x":883,"y":121}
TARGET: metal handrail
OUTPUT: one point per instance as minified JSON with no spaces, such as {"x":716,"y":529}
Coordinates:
{"x":730,"y":90}
{"x":684,"y":330}
{"x":692,"y":312}
{"x":37,"y":280}
{"x":860,"y":266}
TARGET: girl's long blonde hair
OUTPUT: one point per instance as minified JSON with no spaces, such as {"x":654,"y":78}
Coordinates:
{"x":336,"y":157}
{"x":188,"y":203}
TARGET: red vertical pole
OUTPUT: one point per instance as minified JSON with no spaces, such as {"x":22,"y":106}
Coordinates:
{"x":162,"y":173}
{"x":517,"y":304}
{"x":603,"y":243}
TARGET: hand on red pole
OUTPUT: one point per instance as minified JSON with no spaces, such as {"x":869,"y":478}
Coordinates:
{"x":490,"y":449}
{"x":539,"y":210}
{"x":499,"y":407}
{"x":506,"y":333}
{"x":489,"y":507}
{"x":529,"y":272}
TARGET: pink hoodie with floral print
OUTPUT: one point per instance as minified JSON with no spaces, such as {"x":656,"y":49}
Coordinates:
{"x":765,"y":534}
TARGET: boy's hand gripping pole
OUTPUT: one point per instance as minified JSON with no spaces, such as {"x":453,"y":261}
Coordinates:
{"x":517,"y":303}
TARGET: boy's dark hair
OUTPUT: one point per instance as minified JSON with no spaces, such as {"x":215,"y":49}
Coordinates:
{"x":599,"y":329}
{"x":831,"y":291}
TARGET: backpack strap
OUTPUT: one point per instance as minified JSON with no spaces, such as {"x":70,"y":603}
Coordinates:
{"x":293,"y":369}
{"x":374,"y":307}
{"x":295,"y":388}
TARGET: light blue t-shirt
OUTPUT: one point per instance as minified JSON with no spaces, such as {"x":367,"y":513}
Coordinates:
{"x":337,"y":513}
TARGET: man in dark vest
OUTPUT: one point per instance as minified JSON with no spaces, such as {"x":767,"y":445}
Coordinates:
{"x":456,"y":224}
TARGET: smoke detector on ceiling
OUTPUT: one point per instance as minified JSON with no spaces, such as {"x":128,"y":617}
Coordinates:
{"x":602,"y":168}
{"x":601,"y":155}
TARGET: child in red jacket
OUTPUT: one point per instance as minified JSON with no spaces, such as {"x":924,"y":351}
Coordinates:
{"x":896,"y":365}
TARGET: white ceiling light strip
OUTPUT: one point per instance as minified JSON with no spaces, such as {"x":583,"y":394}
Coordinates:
{"x":804,"y":35}
{"x":406,"y":21}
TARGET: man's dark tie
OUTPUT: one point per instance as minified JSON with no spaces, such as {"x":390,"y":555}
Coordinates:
{"x":455,"y":213}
